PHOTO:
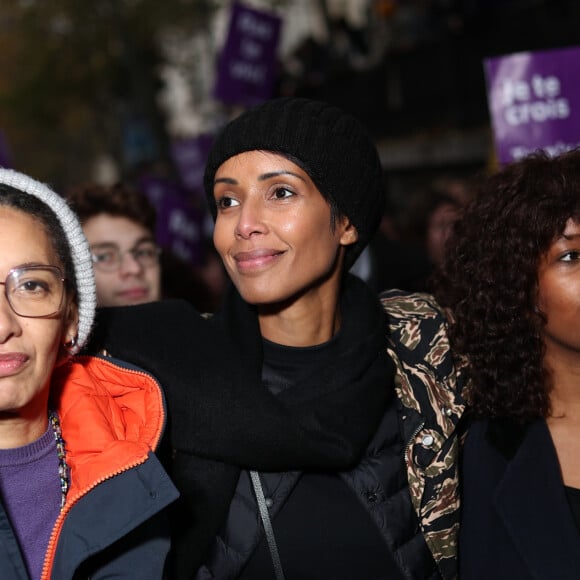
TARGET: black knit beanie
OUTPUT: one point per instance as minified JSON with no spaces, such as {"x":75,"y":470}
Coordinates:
{"x":329,"y":144}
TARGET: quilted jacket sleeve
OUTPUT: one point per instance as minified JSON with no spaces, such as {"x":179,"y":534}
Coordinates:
{"x":429,"y":385}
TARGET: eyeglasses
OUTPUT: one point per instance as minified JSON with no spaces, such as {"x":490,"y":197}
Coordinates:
{"x":108,"y":258}
{"x":35,"y":291}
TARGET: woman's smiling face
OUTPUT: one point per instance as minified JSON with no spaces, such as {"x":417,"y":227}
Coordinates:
{"x":273,"y":230}
{"x":29,"y":347}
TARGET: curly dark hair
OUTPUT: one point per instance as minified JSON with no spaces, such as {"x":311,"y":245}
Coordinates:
{"x":119,"y":200}
{"x":489,"y":281}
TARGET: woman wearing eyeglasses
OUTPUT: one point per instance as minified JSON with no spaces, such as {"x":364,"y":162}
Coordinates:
{"x":82,"y":494}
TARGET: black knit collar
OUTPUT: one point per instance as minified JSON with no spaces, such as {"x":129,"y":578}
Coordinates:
{"x":304,"y":427}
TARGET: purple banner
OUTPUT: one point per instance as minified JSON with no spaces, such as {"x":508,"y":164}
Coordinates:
{"x":179,"y":223}
{"x":247,"y":65}
{"x":534,"y":102}
{"x":190,"y":156}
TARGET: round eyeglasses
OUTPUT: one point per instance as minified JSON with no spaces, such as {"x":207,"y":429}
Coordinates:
{"x":108,"y":257}
{"x":35,"y":291}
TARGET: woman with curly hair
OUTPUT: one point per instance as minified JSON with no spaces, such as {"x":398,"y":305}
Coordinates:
{"x":512,"y":281}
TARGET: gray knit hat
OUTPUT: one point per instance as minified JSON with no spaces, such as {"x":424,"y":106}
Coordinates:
{"x":79,"y":247}
{"x":329,"y":144}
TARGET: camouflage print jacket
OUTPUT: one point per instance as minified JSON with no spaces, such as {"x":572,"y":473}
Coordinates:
{"x":429,"y":386}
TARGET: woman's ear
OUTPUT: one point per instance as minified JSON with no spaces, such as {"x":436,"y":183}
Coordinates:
{"x":349,"y":233}
{"x":70,"y":327}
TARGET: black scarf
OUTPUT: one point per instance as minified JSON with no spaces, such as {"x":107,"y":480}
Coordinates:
{"x":222,"y":419}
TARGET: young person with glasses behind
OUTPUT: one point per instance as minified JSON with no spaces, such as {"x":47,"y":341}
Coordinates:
{"x":82,"y":493}
{"x":119,"y":223}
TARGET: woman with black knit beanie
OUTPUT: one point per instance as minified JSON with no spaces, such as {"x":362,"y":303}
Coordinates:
{"x":312,"y":428}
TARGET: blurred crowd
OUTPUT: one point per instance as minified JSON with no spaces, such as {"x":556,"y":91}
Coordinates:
{"x":131,"y":267}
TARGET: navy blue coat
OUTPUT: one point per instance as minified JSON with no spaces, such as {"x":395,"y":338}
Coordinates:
{"x":128,"y":535}
{"x":516,"y":522}
{"x":114,"y":523}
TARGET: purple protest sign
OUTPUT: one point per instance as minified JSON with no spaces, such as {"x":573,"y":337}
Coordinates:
{"x":179,"y":224}
{"x":247,"y":64}
{"x":534,"y":101}
{"x":190,"y":156}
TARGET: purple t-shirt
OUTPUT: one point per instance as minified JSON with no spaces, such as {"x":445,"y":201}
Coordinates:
{"x":31,"y":495}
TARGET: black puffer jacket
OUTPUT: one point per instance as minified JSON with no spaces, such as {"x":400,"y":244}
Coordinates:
{"x":380,"y":484}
